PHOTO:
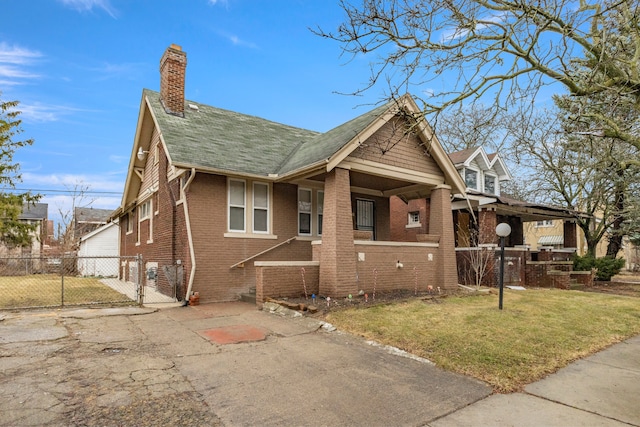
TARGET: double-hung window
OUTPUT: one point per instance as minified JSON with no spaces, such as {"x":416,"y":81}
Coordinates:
{"x":320,"y":210}
{"x":237,"y":205}
{"x":304,"y":211}
{"x":471,"y":179}
{"x":260,"y":207}
{"x":490,"y":184}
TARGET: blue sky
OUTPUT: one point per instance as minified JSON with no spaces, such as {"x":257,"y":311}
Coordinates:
{"x":78,"y":68}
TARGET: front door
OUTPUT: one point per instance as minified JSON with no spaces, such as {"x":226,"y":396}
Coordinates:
{"x":365,"y":216}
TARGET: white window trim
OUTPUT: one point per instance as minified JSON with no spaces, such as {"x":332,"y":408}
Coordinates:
{"x":495,"y":183}
{"x":254,"y":208}
{"x":229,"y":206}
{"x":318,"y":211}
{"x":141,"y":219}
{"x":129,"y":228}
{"x":310,"y":212}
{"x":478,"y":177}
{"x":413,"y":224}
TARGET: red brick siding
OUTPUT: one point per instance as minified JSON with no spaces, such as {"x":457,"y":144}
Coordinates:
{"x":173,"y":66}
{"x":214,"y":278}
{"x":337,"y":269}
{"x":399,"y":218}
{"x":286,"y":282}
{"x":386,"y":277}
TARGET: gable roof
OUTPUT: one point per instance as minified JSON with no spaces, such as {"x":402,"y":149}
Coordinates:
{"x":34,"y":211}
{"x":215,"y":139}
{"x":91,"y":215}
{"x":486,"y":161}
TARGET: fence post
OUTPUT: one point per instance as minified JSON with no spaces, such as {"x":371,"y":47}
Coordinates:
{"x":62,"y":281}
{"x":140,"y":281}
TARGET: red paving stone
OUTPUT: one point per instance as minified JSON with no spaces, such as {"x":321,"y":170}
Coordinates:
{"x":234,"y":334}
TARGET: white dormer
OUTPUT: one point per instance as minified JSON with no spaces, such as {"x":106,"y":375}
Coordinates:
{"x":481,"y":172}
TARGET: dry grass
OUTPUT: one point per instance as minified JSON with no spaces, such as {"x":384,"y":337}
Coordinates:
{"x":538,"y":332}
{"x":45,"y":290}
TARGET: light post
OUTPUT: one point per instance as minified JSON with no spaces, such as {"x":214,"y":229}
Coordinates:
{"x":503,"y":230}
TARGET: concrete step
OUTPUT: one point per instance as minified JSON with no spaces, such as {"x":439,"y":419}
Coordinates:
{"x":249,"y":297}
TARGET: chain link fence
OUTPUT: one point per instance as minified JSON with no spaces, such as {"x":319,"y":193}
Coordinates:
{"x":69,"y":280}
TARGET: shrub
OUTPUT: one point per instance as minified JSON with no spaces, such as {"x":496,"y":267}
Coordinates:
{"x":608,"y":267}
{"x":583,"y":263}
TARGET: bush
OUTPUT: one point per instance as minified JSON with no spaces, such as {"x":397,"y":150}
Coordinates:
{"x":608,"y":267}
{"x":583,"y":263}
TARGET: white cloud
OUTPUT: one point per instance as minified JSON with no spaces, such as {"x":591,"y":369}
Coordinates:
{"x":13,"y":63}
{"x":17,"y":55}
{"x":66,"y":181}
{"x":89,"y":5}
{"x":237,"y":40}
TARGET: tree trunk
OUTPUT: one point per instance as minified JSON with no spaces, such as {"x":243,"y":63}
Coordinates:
{"x":615,"y":236}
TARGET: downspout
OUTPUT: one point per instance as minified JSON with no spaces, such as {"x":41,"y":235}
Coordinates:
{"x":189,"y":237}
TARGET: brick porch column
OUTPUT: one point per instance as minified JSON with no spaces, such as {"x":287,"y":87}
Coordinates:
{"x":570,"y":231}
{"x":338,"y":254}
{"x":441,"y":223}
{"x":517,"y":231}
{"x":487,"y":222}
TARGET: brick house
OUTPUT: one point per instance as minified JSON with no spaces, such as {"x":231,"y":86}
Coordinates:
{"x":478,"y":210}
{"x":219,"y":202}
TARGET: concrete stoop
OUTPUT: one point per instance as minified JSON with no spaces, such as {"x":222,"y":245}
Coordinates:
{"x":249,"y":297}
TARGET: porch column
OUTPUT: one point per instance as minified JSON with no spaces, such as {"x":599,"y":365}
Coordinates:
{"x":441,"y":223}
{"x":338,"y":254}
{"x":570,"y":231}
{"x":487,"y":222}
{"x":517,"y":231}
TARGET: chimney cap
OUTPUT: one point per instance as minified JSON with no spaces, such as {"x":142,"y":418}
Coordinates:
{"x":175,"y":47}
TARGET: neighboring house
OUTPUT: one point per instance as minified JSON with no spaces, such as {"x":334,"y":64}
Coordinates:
{"x":32,"y":213}
{"x":476,"y":213}
{"x":99,"y":250}
{"x":550,"y":233}
{"x":85,"y":220}
{"x":219,"y":202}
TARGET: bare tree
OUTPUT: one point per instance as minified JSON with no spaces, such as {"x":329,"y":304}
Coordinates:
{"x":478,"y":259}
{"x":79,"y":194}
{"x":503,"y":52}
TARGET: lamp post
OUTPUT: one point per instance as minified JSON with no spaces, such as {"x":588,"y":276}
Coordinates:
{"x":503,"y":230}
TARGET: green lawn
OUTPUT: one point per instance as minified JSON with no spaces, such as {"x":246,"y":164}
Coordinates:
{"x":537,"y":332}
{"x":45,"y":290}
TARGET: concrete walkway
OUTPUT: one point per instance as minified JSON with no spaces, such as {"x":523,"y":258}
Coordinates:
{"x":600,"y":390}
{"x":174,"y":366}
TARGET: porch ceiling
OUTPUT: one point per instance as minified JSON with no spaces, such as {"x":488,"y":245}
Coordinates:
{"x":374,"y":185}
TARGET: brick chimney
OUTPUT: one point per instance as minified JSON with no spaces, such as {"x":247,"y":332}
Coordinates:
{"x":173,"y":66}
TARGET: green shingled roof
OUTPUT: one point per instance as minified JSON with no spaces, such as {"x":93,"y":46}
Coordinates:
{"x":213,"y":138}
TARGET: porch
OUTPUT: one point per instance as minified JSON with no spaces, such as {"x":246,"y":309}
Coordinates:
{"x":477,"y":250}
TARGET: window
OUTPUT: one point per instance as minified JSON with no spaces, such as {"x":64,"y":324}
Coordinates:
{"x":490,"y":184}
{"x":145,"y":210}
{"x":320,"y":210}
{"x":260,"y":207}
{"x":237,"y":202}
{"x":471,"y":179}
{"x":414,"y":218}
{"x":304,"y":211}
{"x":545,"y":223}
{"x":129,"y":222}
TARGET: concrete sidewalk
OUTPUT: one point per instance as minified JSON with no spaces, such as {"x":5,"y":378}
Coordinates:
{"x":147,"y":367}
{"x":600,"y":390}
